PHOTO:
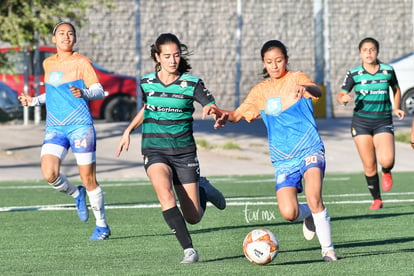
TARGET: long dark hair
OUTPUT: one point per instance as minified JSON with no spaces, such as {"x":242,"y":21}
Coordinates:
{"x":269,"y":45}
{"x":166,"y":38}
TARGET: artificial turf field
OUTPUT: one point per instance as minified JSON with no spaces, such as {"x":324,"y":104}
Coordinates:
{"x":40,"y":233}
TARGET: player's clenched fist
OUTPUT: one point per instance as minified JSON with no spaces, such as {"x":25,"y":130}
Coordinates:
{"x":25,"y":100}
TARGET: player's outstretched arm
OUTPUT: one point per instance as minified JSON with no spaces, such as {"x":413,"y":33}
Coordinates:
{"x":123,"y":144}
{"x":226,"y":116}
{"x":25,"y":100}
{"x":397,"y":103}
{"x":220,"y":117}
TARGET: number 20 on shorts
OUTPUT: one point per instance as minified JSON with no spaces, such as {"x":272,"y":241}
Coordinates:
{"x":311,"y":160}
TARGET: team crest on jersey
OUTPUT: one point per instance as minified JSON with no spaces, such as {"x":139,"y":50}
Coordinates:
{"x":184,"y":84}
{"x":385,"y":72}
{"x":360,"y":72}
{"x":55,"y":78}
{"x":208,"y":93}
{"x":273,"y":106}
{"x":150,"y":80}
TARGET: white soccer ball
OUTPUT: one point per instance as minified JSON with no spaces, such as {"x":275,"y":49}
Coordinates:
{"x":260,"y":246}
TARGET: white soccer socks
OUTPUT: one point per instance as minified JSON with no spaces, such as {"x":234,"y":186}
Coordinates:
{"x":96,"y":199}
{"x":322,"y":222}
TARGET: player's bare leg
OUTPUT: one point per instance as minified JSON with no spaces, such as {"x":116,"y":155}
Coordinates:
{"x":385,"y":151}
{"x":188,"y":195}
{"x":160,"y":176}
{"x":366,"y":150}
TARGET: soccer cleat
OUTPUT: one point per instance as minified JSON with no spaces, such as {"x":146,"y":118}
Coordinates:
{"x":190,"y":256}
{"x":213,"y":195}
{"x":329,"y":255}
{"x":386,"y":181}
{"x":377,"y":204}
{"x":100,"y":233}
{"x":308,"y":228}
{"x":81,"y":207}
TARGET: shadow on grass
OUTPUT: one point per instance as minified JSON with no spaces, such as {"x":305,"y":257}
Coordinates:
{"x":355,"y":253}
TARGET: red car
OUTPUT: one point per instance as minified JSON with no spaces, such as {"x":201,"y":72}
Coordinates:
{"x":119,"y":103}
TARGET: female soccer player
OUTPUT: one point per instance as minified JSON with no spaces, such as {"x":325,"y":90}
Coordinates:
{"x":284,"y":101}
{"x":372,"y":125}
{"x":168,"y":145}
{"x":70,"y":83}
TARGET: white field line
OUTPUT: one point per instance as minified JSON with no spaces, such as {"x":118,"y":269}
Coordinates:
{"x":241,"y":201}
{"x":147,"y":183}
{"x":46,"y":186}
{"x":324,"y":196}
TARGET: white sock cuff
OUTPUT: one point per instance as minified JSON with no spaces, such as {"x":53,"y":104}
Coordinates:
{"x":58,"y":181}
{"x":96,"y":199}
{"x":323,"y":214}
{"x":97,"y":191}
{"x":63,"y":185}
